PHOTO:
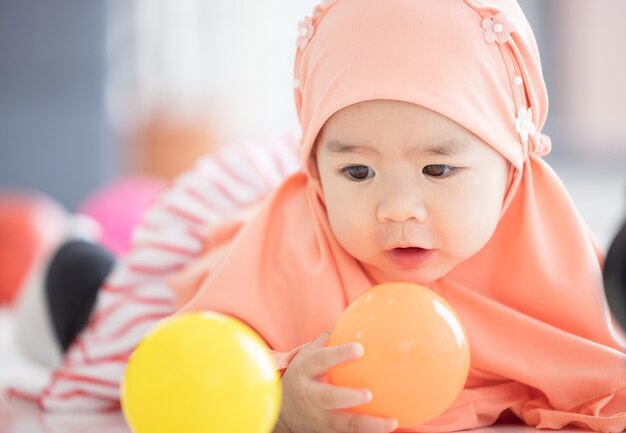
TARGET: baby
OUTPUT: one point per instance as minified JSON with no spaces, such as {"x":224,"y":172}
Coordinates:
{"x":421,"y":151}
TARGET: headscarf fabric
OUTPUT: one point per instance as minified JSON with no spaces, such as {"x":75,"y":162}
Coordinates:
{"x":543,"y":343}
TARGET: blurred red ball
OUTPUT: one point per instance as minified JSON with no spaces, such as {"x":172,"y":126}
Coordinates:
{"x":30,"y":225}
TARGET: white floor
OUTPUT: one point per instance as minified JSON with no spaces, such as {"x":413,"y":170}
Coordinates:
{"x":599,"y":190}
{"x":28,"y":421}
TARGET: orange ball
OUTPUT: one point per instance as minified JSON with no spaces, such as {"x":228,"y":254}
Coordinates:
{"x":416,"y":357}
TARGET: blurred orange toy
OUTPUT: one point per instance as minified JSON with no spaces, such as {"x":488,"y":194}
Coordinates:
{"x":413,"y":340}
{"x":31,"y":224}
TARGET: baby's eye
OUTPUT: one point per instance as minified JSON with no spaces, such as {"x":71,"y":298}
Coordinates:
{"x":438,"y":170}
{"x":358,"y":172}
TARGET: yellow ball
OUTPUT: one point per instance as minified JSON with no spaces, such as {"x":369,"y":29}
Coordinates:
{"x":199,"y":373}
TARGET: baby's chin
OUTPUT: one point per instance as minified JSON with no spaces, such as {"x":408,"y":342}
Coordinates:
{"x":423,"y":276}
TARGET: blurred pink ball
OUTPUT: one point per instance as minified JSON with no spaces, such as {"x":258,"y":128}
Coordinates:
{"x":118,"y":208}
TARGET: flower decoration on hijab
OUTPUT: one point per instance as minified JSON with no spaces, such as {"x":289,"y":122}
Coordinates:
{"x":306,"y":27}
{"x":524,"y":123}
{"x":497,"y":29}
{"x":305,"y":31}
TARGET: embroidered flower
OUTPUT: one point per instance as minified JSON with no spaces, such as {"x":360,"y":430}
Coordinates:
{"x":319,"y":9}
{"x":543,"y":145}
{"x":524,"y":123}
{"x":497,"y":29}
{"x":305,"y":31}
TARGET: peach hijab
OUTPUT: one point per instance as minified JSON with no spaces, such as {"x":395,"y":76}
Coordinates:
{"x":543,"y":344}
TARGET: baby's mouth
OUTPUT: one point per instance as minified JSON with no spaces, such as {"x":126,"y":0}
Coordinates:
{"x":410,"y":257}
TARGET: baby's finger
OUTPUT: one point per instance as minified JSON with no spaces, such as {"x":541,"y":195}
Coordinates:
{"x":353,"y":422}
{"x":321,"y":360}
{"x":330,"y":397}
{"x":320,"y":341}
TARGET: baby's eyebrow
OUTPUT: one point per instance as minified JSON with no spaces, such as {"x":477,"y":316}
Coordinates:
{"x":448,"y":147}
{"x":445,"y":148}
{"x":337,"y":146}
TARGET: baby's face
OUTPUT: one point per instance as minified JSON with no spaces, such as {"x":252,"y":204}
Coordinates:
{"x":409,"y":192}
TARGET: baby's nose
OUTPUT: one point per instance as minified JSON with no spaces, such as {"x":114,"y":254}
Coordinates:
{"x":402,"y":204}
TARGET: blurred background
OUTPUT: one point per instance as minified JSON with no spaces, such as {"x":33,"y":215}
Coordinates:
{"x":94,"y":91}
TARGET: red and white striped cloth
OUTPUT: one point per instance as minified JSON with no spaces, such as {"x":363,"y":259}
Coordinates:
{"x":135,"y":296}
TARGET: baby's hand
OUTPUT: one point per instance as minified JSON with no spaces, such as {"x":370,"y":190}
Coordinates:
{"x":310,"y":405}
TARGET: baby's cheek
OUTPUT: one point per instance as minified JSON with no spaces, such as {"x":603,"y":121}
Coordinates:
{"x":354,"y":236}
{"x":483,"y":225}
{"x":467,"y":233}
{"x":340,"y":226}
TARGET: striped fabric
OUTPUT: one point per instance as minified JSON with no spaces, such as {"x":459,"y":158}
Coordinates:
{"x":135,"y":296}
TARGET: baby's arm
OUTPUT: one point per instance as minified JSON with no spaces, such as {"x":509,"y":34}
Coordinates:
{"x":311,"y":404}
